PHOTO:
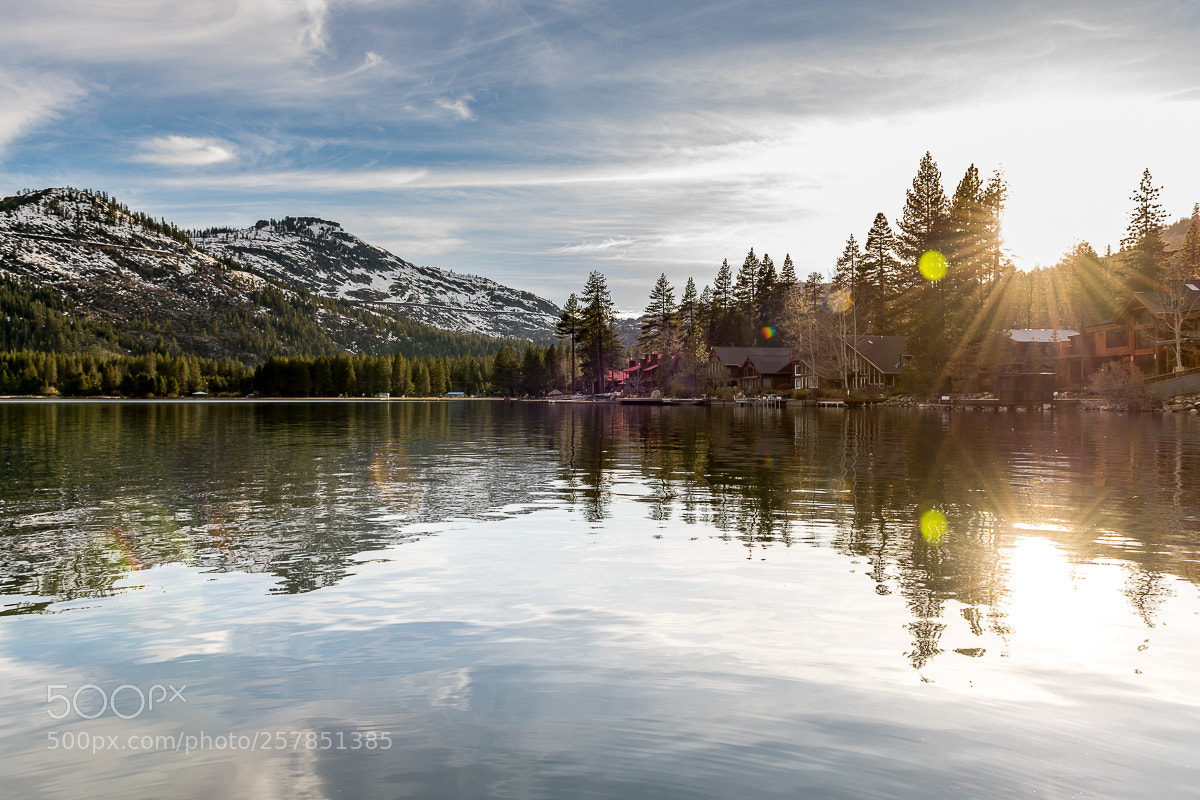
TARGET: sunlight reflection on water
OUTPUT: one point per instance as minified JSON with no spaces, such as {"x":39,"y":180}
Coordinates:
{"x":538,"y":601}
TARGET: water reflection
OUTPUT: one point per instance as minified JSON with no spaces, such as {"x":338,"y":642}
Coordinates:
{"x":90,"y":492}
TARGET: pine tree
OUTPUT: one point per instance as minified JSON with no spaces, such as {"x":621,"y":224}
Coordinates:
{"x":879,"y":270}
{"x":568,"y":328}
{"x":995,"y":194}
{"x":1143,"y":237}
{"x":1189,"y":254}
{"x":787,"y":273}
{"x":920,"y":225}
{"x":691,"y":332}
{"x":722,"y":294}
{"x":766,"y":295}
{"x":745,"y":299}
{"x":704,"y":313}
{"x":597,"y":336}
{"x":505,"y":372}
{"x":421,"y":386}
{"x":437,"y":378}
{"x":847,"y":273}
{"x":660,"y":325}
{"x":721,"y":308}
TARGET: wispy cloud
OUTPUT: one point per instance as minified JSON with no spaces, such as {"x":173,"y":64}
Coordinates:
{"x":458,"y":106}
{"x":306,"y":180}
{"x":184,"y":151}
{"x":603,"y":246}
{"x":639,"y":136}
{"x":28,"y":101}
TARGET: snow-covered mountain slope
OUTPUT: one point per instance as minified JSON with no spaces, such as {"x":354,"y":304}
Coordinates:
{"x":132,"y":283}
{"x":324,"y":259}
{"x":109,"y":262}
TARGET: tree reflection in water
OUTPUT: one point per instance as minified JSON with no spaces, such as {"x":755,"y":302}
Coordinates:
{"x":90,"y":492}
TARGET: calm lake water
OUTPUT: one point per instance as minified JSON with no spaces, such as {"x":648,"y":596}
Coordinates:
{"x":487,"y":599}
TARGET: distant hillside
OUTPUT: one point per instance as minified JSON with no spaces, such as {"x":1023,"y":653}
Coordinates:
{"x":322,"y":258}
{"x":1174,"y":233}
{"x":80,"y":271}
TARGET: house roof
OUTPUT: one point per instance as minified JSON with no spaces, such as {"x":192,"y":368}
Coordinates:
{"x":1161,"y":302}
{"x":736,"y":356}
{"x":885,"y":353}
{"x":1042,"y":335}
{"x":774,"y":361}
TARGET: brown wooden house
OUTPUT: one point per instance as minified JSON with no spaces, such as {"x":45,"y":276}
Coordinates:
{"x":1142,"y":334}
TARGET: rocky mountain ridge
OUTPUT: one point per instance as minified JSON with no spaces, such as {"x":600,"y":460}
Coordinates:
{"x":120,"y":280}
{"x":301,"y":286}
{"x":324,"y":259}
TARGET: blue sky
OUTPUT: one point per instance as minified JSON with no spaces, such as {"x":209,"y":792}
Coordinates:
{"x":533,"y":142}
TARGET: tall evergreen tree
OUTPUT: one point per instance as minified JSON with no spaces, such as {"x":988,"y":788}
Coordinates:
{"x":920,"y":225}
{"x":847,"y":273}
{"x":692,"y":338}
{"x":766,"y":295}
{"x":787,"y":273}
{"x":995,"y":195}
{"x":1143,"y":240}
{"x":506,"y":371}
{"x":745,"y":299}
{"x":722,"y":293}
{"x":1189,"y":254}
{"x":568,"y":328}
{"x":597,"y":335}
{"x":689,"y":308}
{"x":704,"y":312}
{"x":880,"y":268}
{"x":746,"y":284}
{"x":660,"y":319}
{"x":721,"y":308}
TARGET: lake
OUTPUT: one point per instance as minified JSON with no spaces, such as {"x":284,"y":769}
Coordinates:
{"x":486,"y":599}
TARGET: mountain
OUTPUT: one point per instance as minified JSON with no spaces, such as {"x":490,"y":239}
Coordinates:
{"x":80,"y":271}
{"x":322,"y":258}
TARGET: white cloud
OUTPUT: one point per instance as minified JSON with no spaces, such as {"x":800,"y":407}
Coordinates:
{"x":168,"y":39}
{"x":27,"y":101}
{"x":458,"y":106}
{"x":602,"y":246}
{"x":307,"y":180}
{"x":184,"y":151}
{"x":370,"y":61}
{"x":416,"y":238}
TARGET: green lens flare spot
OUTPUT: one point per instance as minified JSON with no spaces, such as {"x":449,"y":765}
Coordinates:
{"x":932,"y":265}
{"x":933,"y":526}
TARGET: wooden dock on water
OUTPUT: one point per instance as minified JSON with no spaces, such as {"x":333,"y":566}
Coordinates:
{"x":996,"y":404}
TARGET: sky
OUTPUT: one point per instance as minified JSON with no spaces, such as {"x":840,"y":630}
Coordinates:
{"x":535,"y":142}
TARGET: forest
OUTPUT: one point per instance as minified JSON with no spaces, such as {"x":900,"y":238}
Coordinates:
{"x":941,"y":277}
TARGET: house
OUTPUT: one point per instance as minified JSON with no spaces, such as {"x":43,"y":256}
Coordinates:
{"x":725,"y":364}
{"x":1032,"y":349}
{"x":644,"y":376}
{"x":877,"y":361}
{"x":767,"y":369}
{"x":870,"y":362}
{"x":615,"y":380}
{"x":1144,"y":333}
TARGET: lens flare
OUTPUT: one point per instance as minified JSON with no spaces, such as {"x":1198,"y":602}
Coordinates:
{"x":768,"y":332}
{"x":932,"y":265}
{"x":933,"y":526}
{"x":839,"y":301}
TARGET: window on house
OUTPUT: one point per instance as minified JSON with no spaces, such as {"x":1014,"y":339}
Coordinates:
{"x":1118,"y":338}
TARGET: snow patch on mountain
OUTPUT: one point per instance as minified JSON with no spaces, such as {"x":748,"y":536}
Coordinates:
{"x":322,"y":258}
